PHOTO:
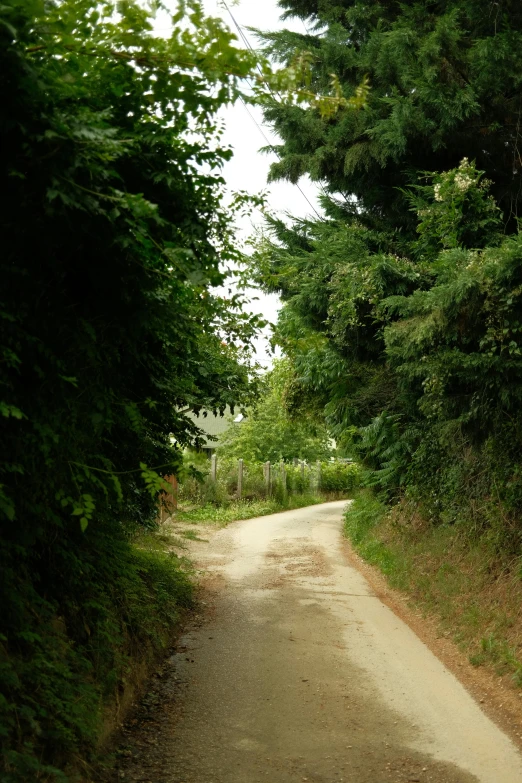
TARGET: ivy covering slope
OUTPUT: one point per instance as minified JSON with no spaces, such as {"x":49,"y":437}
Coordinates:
{"x":403,"y":312}
{"x":113,"y":233}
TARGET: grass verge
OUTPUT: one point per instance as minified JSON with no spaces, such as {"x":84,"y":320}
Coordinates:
{"x":246,"y":509}
{"x":449,"y":574}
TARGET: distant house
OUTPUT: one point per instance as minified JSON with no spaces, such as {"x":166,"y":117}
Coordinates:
{"x":214,"y":426}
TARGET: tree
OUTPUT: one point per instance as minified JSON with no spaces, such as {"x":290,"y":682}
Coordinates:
{"x":114,"y":241}
{"x":401,"y":307}
{"x":109,"y":312}
{"x":114,"y":237}
{"x":445,"y":84}
{"x":270,"y":433}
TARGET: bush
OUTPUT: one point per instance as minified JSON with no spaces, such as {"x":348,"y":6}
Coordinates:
{"x":339,"y":477}
{"x":109,"y":330}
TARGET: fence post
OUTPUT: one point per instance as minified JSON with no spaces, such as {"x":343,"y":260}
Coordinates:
{"x":283,"y":475}
{"x":240,"y":479}
{"x":318,"y":475}
{"x":213,"y":467}
{"x":168,"y":501}
{"x":267,"y":472}
{"x":303,"y":475}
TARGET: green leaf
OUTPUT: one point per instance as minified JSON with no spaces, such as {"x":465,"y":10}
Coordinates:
{"x":11,"y":411}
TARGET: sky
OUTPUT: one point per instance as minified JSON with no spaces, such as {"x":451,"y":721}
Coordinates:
{"x":246,"y":134}
{"x":248,"y":169}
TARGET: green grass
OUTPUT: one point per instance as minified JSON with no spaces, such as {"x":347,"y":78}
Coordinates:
{"x":501,"y":655}
{"x":447,"y":575}
{"x":245,"y":509}
{"x":362,"y":519}
{"x":192,"y":536}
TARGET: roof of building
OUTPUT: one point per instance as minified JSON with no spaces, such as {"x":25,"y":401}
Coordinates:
{"x":214,"y":425}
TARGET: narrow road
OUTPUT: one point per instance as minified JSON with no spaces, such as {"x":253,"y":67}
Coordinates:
{"x":300,"y":673}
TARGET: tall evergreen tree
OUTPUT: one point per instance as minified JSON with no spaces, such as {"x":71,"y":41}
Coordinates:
{"x":402,"y":307}
{"x":446,"y":83}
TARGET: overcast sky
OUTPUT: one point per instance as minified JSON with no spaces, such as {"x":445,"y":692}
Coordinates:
{"x":246,"y":134}
{"x":248,"y":169}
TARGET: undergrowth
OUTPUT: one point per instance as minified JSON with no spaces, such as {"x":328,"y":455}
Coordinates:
{"x":449,"y":574}
{"x":66,"y":657}
{"x":246,"y":509}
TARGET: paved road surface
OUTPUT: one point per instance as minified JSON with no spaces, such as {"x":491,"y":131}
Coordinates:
{"x":300,"y":673}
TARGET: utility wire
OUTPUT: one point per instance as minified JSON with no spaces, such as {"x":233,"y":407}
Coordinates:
{"x":244,"y":38}
{"x":247,"y":43}
{"x":259,"y":127}
{"x":274,"y":149}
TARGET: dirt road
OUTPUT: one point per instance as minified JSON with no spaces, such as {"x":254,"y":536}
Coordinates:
{"x":299,"y":673}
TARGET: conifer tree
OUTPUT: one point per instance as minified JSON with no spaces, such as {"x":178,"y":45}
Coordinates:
{"x":445,"y":82}
{"x":402,"y":311}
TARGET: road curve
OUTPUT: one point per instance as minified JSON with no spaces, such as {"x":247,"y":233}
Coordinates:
{"x":300,"y":673}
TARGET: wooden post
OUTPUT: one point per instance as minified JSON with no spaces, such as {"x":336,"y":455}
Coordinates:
{"x":240,"y":479}
{"x":268,"y":477}
{"x":213,"y":467}
{"x":303,"y":474}
{"x":283,"y":475}
{"x":168,"y":500}
{"x":318,"y":475}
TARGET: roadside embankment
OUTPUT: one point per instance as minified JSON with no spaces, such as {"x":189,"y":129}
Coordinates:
{"x":79,"y":656}
{"x":473,"y":594}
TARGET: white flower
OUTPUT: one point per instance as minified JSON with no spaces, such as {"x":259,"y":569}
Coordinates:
{"x":463,"y":181}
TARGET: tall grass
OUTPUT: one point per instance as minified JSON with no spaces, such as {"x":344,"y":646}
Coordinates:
{"x":246,"y":509}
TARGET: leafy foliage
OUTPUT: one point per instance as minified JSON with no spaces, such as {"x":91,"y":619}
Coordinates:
{"x":416,"y":361}
{"x":114,"y":238}
{"x":288,"y":481}
{"x":401,"y":307}
{"x":270,"y":433}
{"x":445,"y":84}
{"x":339,"y":477}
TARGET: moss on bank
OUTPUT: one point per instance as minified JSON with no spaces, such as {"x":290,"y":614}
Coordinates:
{"x":449,"y":573}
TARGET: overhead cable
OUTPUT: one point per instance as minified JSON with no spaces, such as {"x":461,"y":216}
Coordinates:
{"x":259,"y":127}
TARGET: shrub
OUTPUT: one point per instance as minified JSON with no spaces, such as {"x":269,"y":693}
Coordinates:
{"x":339,"y":477}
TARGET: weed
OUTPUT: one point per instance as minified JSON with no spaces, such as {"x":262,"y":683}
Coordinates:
{"x":192,"y":535}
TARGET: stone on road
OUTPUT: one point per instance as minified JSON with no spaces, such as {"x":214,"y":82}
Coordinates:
{"x":300,"y":673}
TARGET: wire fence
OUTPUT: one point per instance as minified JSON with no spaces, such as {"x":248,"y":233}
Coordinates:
{"x":227,"y":480}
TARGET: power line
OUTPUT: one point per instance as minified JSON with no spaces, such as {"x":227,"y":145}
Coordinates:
{"x":274,"y":150}
{"x":259,"y":127}
{"x":239,"y":28}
